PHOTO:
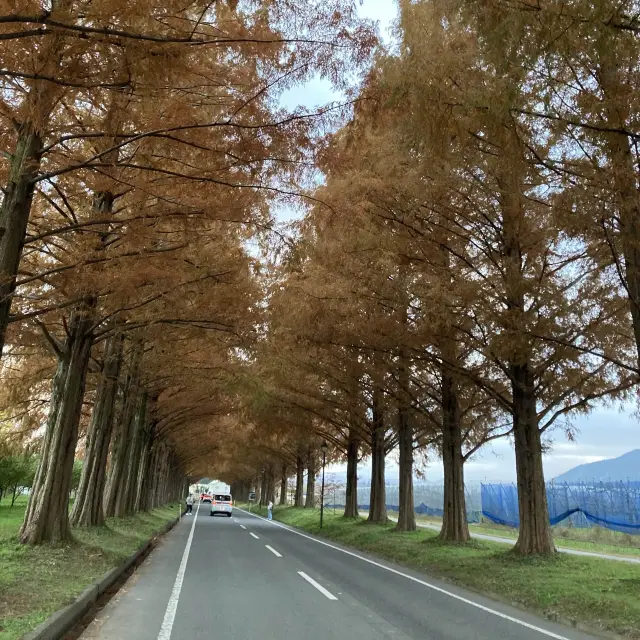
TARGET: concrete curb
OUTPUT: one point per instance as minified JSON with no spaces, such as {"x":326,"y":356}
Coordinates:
{"x":63,"y":620}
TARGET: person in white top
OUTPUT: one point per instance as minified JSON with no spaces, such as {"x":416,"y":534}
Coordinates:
{"x":270,"y":510}
{"x":189,"y":504}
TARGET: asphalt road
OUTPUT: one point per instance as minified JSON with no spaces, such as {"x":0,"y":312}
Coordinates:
{"x":246,"y":578}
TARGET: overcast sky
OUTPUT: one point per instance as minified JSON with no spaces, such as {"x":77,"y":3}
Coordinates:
{"x":605,"y":433}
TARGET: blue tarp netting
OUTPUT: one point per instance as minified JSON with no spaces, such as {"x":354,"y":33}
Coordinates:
{"x":614,"y":505}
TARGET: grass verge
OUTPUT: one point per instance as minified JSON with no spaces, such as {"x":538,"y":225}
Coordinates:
{"x":603,"y":595}
{"x":595,"y":539}
{"x":36,"y":581}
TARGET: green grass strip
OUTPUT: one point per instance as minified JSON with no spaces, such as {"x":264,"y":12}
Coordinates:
{"x":37,"y":581}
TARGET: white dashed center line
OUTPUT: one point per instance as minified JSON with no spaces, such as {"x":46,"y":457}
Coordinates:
{"x":318,"y":586}
{"x":243,"y":527}
{"x":254,"y":535}
{"x":275,"y":553}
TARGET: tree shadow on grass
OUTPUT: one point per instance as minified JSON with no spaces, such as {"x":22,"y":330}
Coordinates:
{"x":121,"y":537}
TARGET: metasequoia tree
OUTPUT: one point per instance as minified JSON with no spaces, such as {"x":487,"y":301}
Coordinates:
{"x":219,"y":126}
{"x":135,"y":304}
{"x":44,"y":518}
{"x":291,"y":392}
{"x":529,"y":283}
{"x":124,"y":439}
{"x":47,"y":71}
{"x":340,"y":379}
{"x":291,"y":423}
{"x":582,"y":63}
{"x":87,"y":507}
{"x":353,"y":301}
{"x":468,"y":270}
{"x":465,"y":201}
{"x":419,"y":329}
{"x":156,"y":57}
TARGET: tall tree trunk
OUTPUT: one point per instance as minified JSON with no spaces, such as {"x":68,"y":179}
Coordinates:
{"x":454,"y":521}
{"x":14,"y":494}
{"x":87,"y":508}
{"x":88,"y":503}
{"x":406,"y":508}
{"x":283,"y":484}
{"x":162,"y":473}
{"x":271,"y":486}
{"x":24,"y":166}
{"x":47,"y":515}
{"x":148,"y":497}
{"x":239,"y":491}
{"x":142,"y":487}
{"x":378,"y":495}
{"x":535,"y":531}
{"x":310,"y":501}
{"x":114,"y":501}
{"x":134,"y":460}
{"x":143,"y":484}
{"x":14,"y":215}
{"x":158,"y":471}
{"x":299,"y":496}
{"x":351,"y":493}
{"x":263,"y":489}
{"x":625,"y":184}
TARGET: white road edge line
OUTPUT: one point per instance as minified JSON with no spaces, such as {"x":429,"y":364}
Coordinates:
{"x":254,"y":535}
{"x":318,"y":586}
{"x":477,"y":605}
{"x":243,"y":527}
{"x":172,"y":606}
{"x":275,"y":553}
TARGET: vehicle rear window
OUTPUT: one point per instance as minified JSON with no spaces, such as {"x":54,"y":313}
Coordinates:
{"x":222,"y":498}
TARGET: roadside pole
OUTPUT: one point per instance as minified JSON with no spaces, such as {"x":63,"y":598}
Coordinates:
{"x":324,"y":446}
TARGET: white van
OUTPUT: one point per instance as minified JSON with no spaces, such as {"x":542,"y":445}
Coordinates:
{"x":221,"y":503}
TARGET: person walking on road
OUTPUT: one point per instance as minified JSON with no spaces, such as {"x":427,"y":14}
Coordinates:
{"x":270,"y":510}
{"x":189,"y":504}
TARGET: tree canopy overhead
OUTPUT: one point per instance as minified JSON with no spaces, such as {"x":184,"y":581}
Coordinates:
{"x":465,"y":268}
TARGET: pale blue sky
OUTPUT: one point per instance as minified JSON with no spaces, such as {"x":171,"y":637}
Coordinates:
{"x":605,"y":433}
{"x":319,"y":92}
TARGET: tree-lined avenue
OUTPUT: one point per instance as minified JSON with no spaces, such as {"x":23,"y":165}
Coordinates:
{"x":236,"y":587}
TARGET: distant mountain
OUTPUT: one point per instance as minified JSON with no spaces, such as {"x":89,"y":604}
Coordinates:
{"x":625,"y":467}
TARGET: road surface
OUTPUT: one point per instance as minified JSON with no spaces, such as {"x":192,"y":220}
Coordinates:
{"x":244,"y":578}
